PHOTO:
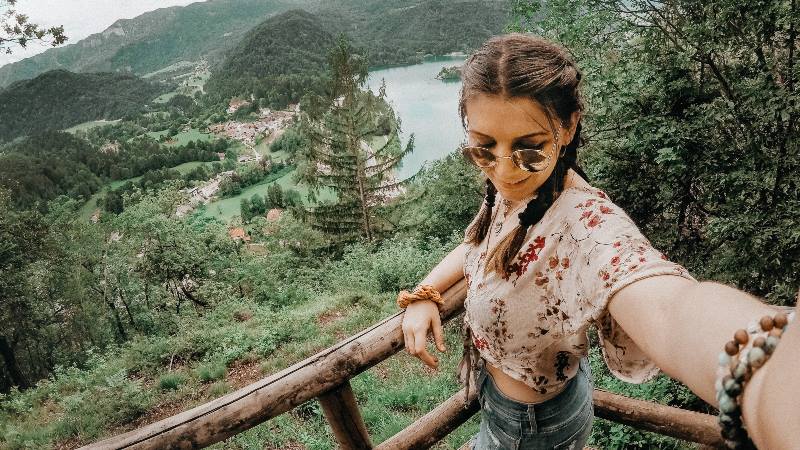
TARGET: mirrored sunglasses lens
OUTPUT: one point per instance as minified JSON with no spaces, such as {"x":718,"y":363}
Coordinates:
{"x":530,"y":160}
{"x":478,"y":156}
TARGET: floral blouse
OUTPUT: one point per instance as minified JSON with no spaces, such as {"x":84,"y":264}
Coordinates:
{"x":532,"y":324}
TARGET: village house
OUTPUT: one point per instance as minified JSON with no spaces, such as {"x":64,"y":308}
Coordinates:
{"x":274,"y":214}
{"x":238,"y":234}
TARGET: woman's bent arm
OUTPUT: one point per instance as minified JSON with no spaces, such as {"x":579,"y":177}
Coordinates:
{"x":449,"y":270}
{"x":683,"y":325}
{"x":422,"y":316}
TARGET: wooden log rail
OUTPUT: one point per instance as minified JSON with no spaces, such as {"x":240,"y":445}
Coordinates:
{"x":326,"y":376}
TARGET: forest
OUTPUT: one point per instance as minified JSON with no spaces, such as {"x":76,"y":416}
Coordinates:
{"x":59,"y":99}
{"x":691,"y":127}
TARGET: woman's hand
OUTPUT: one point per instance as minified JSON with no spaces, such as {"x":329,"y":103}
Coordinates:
{"x":421,"y":316}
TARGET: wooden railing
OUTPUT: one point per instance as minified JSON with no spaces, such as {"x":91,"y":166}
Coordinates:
{"x":326,"y":376}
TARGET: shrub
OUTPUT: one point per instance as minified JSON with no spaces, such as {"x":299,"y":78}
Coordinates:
{"x":170,"y":381}
{"x":211,"y":372}
{"x":219,"y":389}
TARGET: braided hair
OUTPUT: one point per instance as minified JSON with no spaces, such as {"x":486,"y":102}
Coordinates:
{"x":519,"y":65}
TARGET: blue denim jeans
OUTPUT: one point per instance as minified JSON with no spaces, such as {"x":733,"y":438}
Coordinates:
{"x":562,"y":422}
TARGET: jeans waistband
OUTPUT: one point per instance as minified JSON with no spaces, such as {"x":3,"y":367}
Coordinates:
{"x":575,"y":391}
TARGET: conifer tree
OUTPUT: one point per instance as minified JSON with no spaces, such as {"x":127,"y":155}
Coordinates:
{"x":354,"y":150}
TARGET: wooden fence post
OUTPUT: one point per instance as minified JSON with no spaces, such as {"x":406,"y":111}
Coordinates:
{"x":344,"y":417}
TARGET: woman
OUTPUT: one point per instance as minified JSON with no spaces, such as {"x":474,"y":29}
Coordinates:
{"x":548,"y":255}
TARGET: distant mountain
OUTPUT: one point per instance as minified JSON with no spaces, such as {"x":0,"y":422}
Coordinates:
{"x":286,"y":55}
{"x":401,"y":32}
{"x":393,"y":32}
{"x":154,"y":39}
{"x":60,"y":99}
{"x":279,"y":60}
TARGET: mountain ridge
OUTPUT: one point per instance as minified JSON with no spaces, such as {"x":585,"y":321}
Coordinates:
{"x":116,"y":48}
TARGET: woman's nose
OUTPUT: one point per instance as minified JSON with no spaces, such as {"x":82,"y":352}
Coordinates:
{"x":505,"y":168}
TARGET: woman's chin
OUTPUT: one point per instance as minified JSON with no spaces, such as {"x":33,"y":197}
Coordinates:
{"x":515,"y":191}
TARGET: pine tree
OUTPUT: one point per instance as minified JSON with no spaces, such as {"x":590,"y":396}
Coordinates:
{"x":354,"y":150}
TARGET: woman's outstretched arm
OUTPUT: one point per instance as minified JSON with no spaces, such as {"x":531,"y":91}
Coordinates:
{"x":423,"y":316}
{"x":683,"y":325}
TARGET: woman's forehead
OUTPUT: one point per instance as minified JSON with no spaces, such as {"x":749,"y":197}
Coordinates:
{"x":500,"y":116}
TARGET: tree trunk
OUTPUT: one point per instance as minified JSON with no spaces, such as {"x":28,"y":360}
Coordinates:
{"x":117,"y":320}
{"x":11,"y":364}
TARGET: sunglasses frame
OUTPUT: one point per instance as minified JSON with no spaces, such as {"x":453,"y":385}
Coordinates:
{"x":468,"y":155}
{"x":515,"y":157}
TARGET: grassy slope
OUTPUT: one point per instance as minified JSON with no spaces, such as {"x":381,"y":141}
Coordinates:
{"x":225,"y":209}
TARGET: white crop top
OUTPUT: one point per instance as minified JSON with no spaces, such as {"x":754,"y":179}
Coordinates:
{"x":532,"y":325}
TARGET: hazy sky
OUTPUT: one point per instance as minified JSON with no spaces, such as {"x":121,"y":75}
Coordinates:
{"x":79,"y":17}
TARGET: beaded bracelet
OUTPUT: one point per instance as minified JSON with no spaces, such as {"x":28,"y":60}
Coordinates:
{"x":422,"y":292}
{"x":742,"y":357}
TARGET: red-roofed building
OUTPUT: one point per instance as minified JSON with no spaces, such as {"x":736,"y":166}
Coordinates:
{"x":274,"y":214}
{"x":239,"y":233}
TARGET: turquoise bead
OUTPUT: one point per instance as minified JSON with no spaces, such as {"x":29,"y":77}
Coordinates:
{"x":740,"y":371}
{"x":757,"y":357}
{"x":732,"y":388}
{"x":727,"y":404}
{"x":724,"y":359}
{"x":727,"y":420}
{"x":772,"y":342}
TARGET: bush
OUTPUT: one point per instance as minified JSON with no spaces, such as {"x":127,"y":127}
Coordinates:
{"x":171,"y":381}
{"x":211,"y":372}
{"x":396,"y":264}
{"x":219,"y":389}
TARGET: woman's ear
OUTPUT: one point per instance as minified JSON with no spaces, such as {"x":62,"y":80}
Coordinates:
{"x":570,"y":133}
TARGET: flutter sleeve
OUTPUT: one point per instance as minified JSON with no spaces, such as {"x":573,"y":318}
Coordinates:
{"x":612,"y":253}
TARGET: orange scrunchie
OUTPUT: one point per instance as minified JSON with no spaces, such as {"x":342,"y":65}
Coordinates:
{"x":424,"y":292}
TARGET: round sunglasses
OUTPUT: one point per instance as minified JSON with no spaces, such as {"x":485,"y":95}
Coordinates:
{"x":528,"y":159}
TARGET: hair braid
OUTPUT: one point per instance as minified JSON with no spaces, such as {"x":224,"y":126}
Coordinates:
{"x":478,"y":231}
{"x":506,"y":251}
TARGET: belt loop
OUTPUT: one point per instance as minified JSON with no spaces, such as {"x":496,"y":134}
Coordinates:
{"x":532,"y":418}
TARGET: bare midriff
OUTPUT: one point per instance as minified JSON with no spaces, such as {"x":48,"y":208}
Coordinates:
{"x":517,"y":390}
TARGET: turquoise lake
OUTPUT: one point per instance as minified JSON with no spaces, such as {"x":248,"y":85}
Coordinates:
{"x":427,"y":107}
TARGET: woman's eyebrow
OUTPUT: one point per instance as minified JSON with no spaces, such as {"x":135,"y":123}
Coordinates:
{"x":534,"y":134}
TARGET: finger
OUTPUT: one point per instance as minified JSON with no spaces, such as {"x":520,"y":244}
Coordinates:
{"x":410,"y":343}
{"x":428,"y":359}
{"x":420,"y":341}
{"x":438,"y":335}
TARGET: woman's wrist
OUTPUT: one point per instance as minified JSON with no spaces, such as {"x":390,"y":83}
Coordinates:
{"x":770,"y":406}
{"x":420,"y":293}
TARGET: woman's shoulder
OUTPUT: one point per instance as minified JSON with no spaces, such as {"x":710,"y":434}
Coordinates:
{"x":580,"y":194}
{"x":590,"y":209}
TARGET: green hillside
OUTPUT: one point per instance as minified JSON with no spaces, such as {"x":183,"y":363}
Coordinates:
{"x":277,"y":60}
{"x":60,"y":99}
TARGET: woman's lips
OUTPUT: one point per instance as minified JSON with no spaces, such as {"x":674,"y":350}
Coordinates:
{"x":514,"y":184}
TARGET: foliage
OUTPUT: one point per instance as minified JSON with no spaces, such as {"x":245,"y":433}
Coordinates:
{"x":443,"y":197}
{"x":251,"y":174}
{"x":16,"y":29}
{"x":171,"y":381}
{"x":395,"y":34}
{"x":276,"y":197}
{"x":291,"y":141}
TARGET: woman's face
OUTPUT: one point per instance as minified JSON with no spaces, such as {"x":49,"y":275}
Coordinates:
{"x":503,"y":125}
